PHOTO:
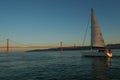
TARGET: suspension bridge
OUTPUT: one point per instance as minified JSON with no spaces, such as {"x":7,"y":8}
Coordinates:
{"x":10,"y":44}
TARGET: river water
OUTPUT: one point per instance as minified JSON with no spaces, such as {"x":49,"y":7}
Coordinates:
{"x":58,"y":65}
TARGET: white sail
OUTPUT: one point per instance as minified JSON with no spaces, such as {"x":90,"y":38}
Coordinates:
{"x":96,"y":35}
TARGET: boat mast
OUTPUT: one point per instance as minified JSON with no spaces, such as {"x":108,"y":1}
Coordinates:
{"x":91,"y":28}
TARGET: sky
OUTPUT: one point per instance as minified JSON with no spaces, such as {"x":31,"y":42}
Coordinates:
{"x":47,"y":22}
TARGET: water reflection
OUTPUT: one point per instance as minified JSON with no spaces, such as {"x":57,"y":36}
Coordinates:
{"x":101,"y":67}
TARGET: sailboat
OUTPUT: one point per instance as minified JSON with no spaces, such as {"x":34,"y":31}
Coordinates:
{"x":97,"y":41}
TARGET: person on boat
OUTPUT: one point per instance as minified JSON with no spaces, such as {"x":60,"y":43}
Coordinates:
{"x":110,"y":51}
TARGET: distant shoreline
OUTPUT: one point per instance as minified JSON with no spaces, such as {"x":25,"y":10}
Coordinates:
{"x":110,"y":46}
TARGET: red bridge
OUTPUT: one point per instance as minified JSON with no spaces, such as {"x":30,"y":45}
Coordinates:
{"x":8,"y":46}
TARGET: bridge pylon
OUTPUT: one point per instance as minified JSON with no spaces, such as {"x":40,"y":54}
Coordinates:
{"x":7,"y":46}
{"x":61,"y":45}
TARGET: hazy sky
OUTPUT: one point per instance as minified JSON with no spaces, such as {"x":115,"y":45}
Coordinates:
{"x":41,"y":22}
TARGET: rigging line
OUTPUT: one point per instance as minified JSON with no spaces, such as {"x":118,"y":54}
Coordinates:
{"x":86,"y":31}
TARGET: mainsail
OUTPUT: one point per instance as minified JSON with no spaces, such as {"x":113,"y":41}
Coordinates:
{"x":96,"y":35}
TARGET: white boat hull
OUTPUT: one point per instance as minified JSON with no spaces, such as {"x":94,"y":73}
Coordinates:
{"x":96,"y":54}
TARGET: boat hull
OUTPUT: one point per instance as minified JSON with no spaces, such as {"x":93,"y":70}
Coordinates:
{"x":95,"y":54}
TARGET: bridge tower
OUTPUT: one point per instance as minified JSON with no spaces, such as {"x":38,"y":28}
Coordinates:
{"x":74,"y":45}
{"x":7,"y":46}
{"x":61,"y":45}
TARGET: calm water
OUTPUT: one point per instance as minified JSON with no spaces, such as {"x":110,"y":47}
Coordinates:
{"x":66,"y":65}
